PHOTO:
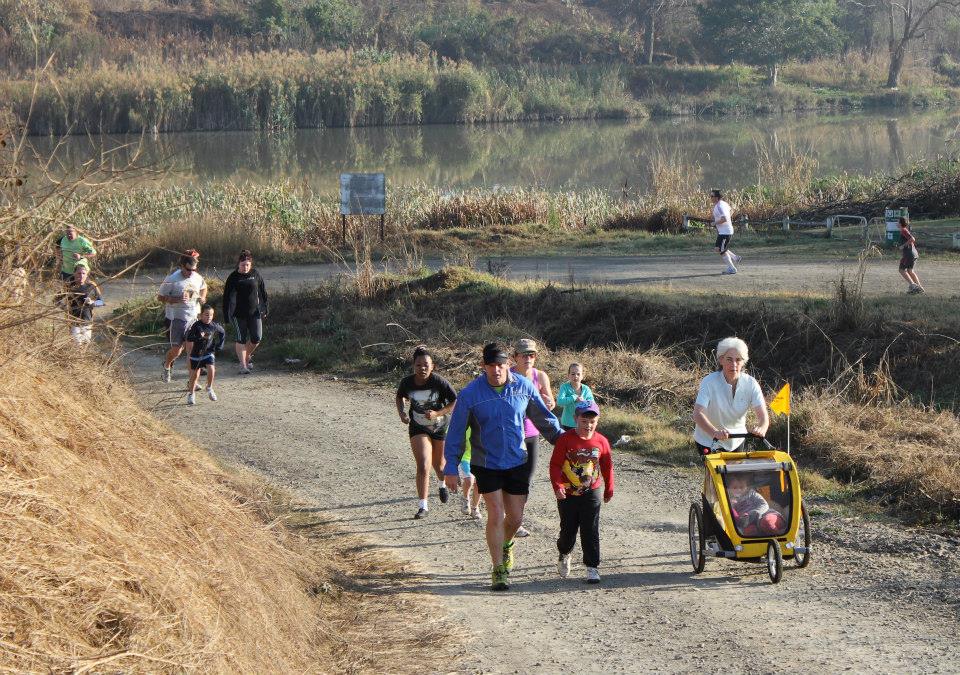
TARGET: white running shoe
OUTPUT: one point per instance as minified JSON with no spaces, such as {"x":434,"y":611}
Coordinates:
{"x":593,"y":575}
{"x":563,"y":565}
{"x":250,"y":366}
{"x":167,"y":374}
{"x":522,"y":532}
{"x":465,"y":505}
{"x":729,"y":271}
{"x":476,"y":514}
{"x":737,"y":258}
{"x":211,"y":393}
{"x":191,"y":399}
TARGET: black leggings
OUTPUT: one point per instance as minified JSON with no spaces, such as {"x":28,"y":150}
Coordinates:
{"x":531,"y":443}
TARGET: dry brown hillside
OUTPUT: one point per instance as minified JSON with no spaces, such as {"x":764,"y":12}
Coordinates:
{"x":124,"y":548}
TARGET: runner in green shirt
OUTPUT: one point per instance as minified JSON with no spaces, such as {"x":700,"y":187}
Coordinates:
{"x":73,"y":247}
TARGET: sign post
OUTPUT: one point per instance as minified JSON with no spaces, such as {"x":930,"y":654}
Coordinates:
{"x":363,"y":194}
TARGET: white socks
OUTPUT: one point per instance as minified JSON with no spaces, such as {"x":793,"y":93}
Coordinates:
{"x":424,"y":505}
{"x":728,"y":256}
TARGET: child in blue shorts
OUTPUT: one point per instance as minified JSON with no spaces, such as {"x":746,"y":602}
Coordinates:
{"x":201,"y":341}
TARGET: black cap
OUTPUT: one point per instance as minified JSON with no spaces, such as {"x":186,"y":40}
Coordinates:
{"x":494,"y":353}
{"x":716,"y":193}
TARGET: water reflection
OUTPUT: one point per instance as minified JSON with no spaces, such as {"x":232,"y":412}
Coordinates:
{"x":607,"y":155}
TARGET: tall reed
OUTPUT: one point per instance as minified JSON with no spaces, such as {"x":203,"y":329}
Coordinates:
{"x":283,"y":90}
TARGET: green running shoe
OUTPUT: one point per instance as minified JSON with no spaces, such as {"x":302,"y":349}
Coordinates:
{"x":508,"y":556}
{"x":501,"y":579}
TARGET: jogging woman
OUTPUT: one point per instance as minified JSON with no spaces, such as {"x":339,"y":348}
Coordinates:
{"x":245,"y":306}
{"x":724,"y":398}
{"x":525,"y":356}
{"x":431,"y":401}
{"x":908,"y":261}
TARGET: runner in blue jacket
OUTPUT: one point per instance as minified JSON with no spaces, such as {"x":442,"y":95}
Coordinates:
{"x":493,"y":407}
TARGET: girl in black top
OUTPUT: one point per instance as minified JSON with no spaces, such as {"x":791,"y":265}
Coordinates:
{"x":908,"y":260}
{"x":431,"y":401}
{"x":245,"y":306}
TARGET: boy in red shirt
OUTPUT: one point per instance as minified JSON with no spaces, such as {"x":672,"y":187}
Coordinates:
{"x":580,"y":462}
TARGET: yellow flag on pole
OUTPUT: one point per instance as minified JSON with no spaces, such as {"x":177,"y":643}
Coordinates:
{"x":781,"y":402}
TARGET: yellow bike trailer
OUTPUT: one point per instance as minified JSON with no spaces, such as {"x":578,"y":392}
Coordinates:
{"x":751,"y":509}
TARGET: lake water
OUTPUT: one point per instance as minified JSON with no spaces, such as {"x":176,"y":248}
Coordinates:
{"x":609,"y":155}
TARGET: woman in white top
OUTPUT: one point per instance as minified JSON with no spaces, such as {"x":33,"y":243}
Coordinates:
{"x":725,"y":397}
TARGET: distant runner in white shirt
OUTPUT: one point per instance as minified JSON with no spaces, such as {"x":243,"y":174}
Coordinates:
{"x":723,"y":221}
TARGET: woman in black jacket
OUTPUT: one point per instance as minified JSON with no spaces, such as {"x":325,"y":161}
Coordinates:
{"x":245,"y":306}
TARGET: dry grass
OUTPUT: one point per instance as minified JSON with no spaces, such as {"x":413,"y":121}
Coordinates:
{"x":904,"y":456}
{"x":125,"y":548}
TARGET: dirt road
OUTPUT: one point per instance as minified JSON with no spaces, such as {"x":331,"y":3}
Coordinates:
{"x":875,"y":598}
{"x":693,"y":270}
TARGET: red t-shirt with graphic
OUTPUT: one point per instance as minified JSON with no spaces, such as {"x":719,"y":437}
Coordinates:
{"x":580,"y":464}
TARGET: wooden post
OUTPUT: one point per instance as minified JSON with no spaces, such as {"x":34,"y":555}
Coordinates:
{"x":343,"y":224}
{"x":383,"y":217}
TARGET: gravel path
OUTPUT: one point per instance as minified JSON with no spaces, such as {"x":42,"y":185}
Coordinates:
{"x":875,"y":597}
{"x":692,"y":270}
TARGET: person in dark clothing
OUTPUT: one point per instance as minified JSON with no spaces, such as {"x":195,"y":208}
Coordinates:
{"x":80,"y":296}
{"x":245,"y":306}
{"x":202,"y":341}
{"x":431,"y":399}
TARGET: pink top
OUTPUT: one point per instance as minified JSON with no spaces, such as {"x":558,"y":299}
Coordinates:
{"x":529,"y":431}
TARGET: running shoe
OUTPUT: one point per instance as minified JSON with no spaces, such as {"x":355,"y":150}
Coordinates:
{"x":444,"y":494}
{"x":593,"y":575}
{"x":522,"y":532}
{"x":563,"y":565}
{"x":737,"y":258}
{"x":913,"y":290}
{"x":211,"y":393}
{"x":250,"y":366}
{"x":244,"y":371}
{"x":729,"y":271}
{"x":421,"y":513}
{"x":191,"y":399}
{"x":167,"y":374}
{"x":508,"y":556}
{"x":465,"y":505}
{"x":500,"y":580}
{"x":476,"y":514}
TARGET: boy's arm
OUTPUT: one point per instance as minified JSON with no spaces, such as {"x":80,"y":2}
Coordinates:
{"x":606,"y":469}
{"x":221,"y":338}
{"x":556,"y":468}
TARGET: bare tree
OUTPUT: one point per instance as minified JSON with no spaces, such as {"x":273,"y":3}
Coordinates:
{"x":908,"y":20}
{"x":649,"y":14}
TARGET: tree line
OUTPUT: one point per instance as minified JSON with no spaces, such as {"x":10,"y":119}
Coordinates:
{"x":762,"y":33}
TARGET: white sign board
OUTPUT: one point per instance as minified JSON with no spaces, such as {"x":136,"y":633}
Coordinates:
{"x":892,"y":218}
{"x":363,"y":194}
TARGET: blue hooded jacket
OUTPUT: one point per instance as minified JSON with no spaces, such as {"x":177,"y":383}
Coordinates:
{"x":496,"y":423}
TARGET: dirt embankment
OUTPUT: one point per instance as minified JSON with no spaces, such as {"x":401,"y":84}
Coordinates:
{"x":875,"y":598}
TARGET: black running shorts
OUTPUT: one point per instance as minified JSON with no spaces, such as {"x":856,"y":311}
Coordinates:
{"x":723,"y":242}
{"x":435,"y":433}
{"x":515,"y":481}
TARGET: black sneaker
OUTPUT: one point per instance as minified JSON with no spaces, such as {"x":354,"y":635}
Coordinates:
{"x":444,"y":494}
{"x":421,"y":513}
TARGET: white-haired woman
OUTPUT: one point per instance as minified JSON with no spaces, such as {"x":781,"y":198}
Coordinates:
{"x":725,"y":397}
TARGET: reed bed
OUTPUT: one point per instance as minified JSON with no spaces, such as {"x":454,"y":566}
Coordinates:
{"x":276,"y":90}
{"x":285,"y":217}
